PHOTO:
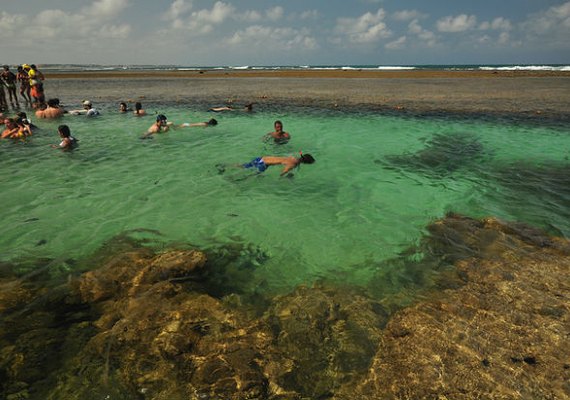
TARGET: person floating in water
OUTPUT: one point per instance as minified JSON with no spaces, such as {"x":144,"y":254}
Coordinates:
{"x":246,"y":108}
{"x":278,"y":135}
{"x":262,"y":163}
{"x":161,"y":125}
{"x":68,"y":142}
{"x":211,"y":122}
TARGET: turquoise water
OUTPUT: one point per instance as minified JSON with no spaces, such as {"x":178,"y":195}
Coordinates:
{"x":378,"y":181}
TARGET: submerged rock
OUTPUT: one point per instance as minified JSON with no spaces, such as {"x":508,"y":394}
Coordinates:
{"x":443,"y":154}
{"x":148,"y":326}
{"x":501,"y":335}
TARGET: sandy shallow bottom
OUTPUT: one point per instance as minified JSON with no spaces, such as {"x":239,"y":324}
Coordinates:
{"x":476,"y":92}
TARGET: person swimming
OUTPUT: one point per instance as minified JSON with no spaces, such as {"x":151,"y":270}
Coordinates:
{"x":161,"y":125}
{"x":262,"y":163}
{"x":211,"y":122}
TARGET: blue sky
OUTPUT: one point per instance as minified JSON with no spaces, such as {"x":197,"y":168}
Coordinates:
{"x":309,"y":32}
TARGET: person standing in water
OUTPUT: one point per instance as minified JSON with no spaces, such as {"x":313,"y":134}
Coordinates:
{"x":68,"y":142}
{"x":139,"y":112}
{"x":9,"y":80}
{"x":279,"y":136}
{"x":24,"y":79}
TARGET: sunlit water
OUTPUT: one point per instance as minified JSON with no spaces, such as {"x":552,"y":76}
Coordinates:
{"x":378,"y":181}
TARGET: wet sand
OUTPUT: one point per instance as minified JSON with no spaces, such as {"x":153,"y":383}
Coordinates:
{"x":520,"y":92}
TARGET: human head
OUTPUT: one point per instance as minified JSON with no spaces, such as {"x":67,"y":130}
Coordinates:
{"x":212,"y":122}
{"x":20,"y":69}
{"x":278,"y":125}
{"x":161,"y":119}
{"x":87,"y":104}
{"x":138,"y":106}
{"x":6,"y":68}
{"x":9,"y":122}
{"x":33,"y":66}
{"x":64,"y":131}
{"x":22,"y":115}
{"x":123,"y":107}
{"x":249,"y":107}
{"x":306,"y":159}
{"x":53,"y":103}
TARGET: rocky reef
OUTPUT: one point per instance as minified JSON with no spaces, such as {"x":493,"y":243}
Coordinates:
{"x":143,"y":324}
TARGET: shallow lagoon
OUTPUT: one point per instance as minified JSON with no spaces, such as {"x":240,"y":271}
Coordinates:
{"x":378,"y":181}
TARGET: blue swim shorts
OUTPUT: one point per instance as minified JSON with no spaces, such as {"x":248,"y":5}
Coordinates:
{"x":256,"y":163}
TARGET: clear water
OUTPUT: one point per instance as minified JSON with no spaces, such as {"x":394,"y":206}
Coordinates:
{"x":378,"y":181}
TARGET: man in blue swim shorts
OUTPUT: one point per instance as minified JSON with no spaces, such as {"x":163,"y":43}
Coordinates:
{"x":262,"y":163}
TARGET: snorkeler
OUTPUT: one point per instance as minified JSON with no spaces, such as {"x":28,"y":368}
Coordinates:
{"x":262,"y":163}
{"x":211,"y":122}
{"x":279,"y":136}
{"x":161,"y":125}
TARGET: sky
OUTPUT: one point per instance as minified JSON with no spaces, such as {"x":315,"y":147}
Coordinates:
{"x":294,"y":32}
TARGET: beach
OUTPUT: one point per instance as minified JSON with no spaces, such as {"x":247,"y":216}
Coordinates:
{"x":495,"y":92}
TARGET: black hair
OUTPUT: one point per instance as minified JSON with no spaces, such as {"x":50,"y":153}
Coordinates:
{"x":33,"y":66}
{"x":138,"y":105}
{"x":53,"y":102}
{"x":161,"y":117}
{"x":123,"y":104}
{"x":307,"y":159}
{"x":21,"y":114}
{"x":64,"y":130}
{"x":213,"y":122}
{"x":278,"y":122}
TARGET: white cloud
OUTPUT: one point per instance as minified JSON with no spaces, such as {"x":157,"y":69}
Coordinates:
{"x":426,"y":36}
{"x":275,"y":13}
{"x":106,"y":8}
{"x":396,"y":44}
{"x":554,"y":20}
{"x":273,"y":38}
{"x":309,"y":14}
{"x":459,"y":23}
{"x":177,"y":9}
{"x":367,"y":28}
{"x":499,"y":23}
{"x":408,"y":15}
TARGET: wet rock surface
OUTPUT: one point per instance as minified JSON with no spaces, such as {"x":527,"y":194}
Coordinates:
{"x":168,"y":325}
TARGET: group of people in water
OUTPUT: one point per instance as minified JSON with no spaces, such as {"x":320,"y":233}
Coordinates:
{"x":31,"y":79}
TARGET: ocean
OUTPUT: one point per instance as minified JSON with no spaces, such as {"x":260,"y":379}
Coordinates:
{"x":473,"y":67}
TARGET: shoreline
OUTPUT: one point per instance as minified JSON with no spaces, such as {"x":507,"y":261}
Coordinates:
{"x":313,"y":74}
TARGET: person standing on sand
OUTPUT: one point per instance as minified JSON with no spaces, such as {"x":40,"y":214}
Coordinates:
{"x":262,"y":163}
{"x":279,"y":136}
{"x":9,"y":80}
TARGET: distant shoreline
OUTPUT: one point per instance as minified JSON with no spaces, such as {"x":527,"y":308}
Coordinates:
{"x":313,"y":74}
